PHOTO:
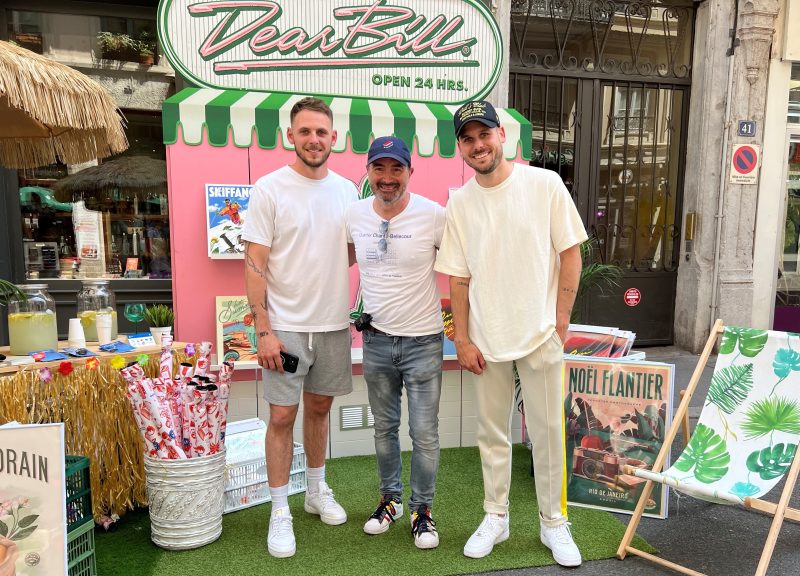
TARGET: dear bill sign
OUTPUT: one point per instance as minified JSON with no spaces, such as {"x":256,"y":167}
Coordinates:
{"x":33,"y":533}
{"x":617,"y":413}
{"x":441,"y":51}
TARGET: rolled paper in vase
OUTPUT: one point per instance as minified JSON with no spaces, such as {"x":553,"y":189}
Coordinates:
{"x":165,"y":364}
{"x":185,"y":371}
{"x":214,"y":422}
{"x":203,"y":443}
{"x":223,"y":392}
{"x":203,"y":362}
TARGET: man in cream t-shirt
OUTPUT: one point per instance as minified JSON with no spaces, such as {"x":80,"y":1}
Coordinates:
{"x":396,"y":235}
{"x":296,"y":274}
{"x":512,"y":250}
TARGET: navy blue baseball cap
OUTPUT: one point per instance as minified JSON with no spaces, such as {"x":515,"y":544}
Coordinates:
{"x":389,"y":147}
{"x":477,"y":111}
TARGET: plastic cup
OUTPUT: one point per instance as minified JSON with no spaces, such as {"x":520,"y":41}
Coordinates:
{"x":103,"y":322}
{"x":76,"y":339}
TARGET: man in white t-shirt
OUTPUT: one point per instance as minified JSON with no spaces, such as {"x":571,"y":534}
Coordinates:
{"x":512,"y":250}
{"x":296,"y":261}
{"x":396,"y":234}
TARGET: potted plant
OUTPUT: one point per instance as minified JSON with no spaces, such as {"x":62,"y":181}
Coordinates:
{"x":594,"y":274}
{"x":9,"y":291}
{"x":146,"y":47}
{"x":160,"y":318}
{"x":116,"y":46}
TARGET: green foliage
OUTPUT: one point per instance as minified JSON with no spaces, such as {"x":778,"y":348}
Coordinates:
{"x":771,"y":463}
{"x":707,"y":453}
{"x":750,"y":340}
{"x":9,"y":291}
{"x":594,"y":274}
{"x":785,"y":361}
{"x":770,"y":415}
{"x":730,"y":386}
{"x":159,"y":315}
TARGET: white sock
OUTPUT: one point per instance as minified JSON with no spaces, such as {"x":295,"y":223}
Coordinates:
{"x":314,"y":477}
{"x":280,"y":496}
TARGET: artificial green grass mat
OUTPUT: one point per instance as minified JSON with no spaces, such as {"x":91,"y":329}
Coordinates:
{"x":346,"y":550}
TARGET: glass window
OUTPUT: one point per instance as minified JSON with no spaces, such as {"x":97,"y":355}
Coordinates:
{"x":82,"y":38}
{"x":794,"y":95}
{"x":77,"y":230}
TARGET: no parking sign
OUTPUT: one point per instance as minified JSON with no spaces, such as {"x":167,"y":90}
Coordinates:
{"x":744,"y":164}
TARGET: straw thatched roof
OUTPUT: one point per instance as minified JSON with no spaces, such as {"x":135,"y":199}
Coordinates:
{"x":49,"y":111}
{"x":126,"y":172}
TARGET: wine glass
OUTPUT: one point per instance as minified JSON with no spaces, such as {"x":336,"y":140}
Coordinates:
{"x":134,"y":313}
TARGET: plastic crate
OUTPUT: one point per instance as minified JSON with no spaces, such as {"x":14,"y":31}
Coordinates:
{"x":80,"y":551}
{"x":246,"y":482}
{"x":79,"y":492}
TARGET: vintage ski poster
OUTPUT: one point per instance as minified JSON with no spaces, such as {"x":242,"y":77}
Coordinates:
{"x":236,"y":330}
{"x":226,"y":207}
{"x":33,"y":533}
{"x":617,"y":413}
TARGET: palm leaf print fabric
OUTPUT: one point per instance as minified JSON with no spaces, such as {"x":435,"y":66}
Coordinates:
{"x":749,"y":428}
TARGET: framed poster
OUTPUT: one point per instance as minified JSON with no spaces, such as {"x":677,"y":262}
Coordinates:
{"x":33,"y":533}
{"x":617,"y":413}
{"x":236,"y":330}
{"x":226,"y":209}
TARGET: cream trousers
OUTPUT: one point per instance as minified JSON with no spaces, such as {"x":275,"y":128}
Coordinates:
{"x":540,"y":375}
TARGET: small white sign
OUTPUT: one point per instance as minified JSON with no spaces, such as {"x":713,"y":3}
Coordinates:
{"x":33,"y":499}
{"x":744,"y":164}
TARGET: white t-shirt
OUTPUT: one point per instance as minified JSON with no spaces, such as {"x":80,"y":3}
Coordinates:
{"x":507,"y":240}
{"x":398,"y":283}
{"x":302,"y":221}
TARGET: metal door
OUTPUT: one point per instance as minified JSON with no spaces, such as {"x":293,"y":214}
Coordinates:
{"x":605,"y":85}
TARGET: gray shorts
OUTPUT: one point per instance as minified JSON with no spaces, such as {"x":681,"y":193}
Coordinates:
{"x":325,"y":367}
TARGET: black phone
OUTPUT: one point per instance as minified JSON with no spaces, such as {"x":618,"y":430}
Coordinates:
{"x":289,"y":362}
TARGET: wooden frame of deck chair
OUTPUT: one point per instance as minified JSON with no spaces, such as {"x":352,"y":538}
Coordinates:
{"x":745,"y":440}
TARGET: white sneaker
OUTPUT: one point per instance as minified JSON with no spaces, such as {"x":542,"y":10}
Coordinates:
{"x":280,"y":539}
{"x":424,"y":529}
{"x":324,"y":505}
{"x":493,"y":530}
{"x":559,"y":540}
{"x":384,"y":515}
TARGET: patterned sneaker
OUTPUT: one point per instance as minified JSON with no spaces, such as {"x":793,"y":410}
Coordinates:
{"x":324,"y":505}
{"x":559,"y":540}
{"x":384,"y":515}
{"x":280,"y":539}
{"x":424,"y":529}
{"x":493,"y":530}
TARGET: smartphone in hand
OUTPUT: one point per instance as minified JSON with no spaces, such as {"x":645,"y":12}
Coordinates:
{"x":289,"y":361}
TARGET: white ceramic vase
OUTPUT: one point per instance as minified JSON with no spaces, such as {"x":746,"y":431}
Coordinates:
{"x":158,"y":331}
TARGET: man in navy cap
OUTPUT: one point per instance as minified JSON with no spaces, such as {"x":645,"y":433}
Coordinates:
{"x":512,"y":250}
{"x":396,"y":235}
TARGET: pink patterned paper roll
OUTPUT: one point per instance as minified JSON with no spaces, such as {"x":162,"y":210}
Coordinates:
{"x":203,"y":362}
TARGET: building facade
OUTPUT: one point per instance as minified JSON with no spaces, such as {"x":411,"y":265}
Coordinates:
{"x":641,"y":107}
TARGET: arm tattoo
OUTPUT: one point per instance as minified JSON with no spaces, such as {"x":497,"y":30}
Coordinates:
{"x":461,"y":283}
{"x":252,"y":265}
{"x":569,"y":290}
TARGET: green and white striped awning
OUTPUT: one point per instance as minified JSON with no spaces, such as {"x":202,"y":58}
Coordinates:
{"x":233,"y":114}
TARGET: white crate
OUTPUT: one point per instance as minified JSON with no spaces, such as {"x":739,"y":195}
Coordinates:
{"x":246,"y":482}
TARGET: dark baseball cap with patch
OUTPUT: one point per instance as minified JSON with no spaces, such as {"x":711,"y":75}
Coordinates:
{"x":478,"y":111}
{"x":389,"y":147}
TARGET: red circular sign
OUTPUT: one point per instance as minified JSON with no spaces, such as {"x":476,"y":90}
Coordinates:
{"x":632,"y":296}
{"x":745,"y":160}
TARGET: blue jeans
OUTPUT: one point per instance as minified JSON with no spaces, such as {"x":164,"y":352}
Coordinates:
{"x":391,"y":362}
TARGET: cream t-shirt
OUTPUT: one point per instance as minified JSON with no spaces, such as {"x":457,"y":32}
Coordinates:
{"x":302,"y":221}
{"x":507,"y":240}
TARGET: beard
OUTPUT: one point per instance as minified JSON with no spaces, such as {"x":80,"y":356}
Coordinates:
{"x":309,"y":160}
{"x":485,"y":169}
{"x":389,"y":197}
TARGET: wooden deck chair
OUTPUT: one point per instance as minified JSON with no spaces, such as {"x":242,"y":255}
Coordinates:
{"x":746,"y":439}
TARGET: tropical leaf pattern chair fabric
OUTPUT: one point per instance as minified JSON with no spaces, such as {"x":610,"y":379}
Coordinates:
{"x":746,"y":437}
{"x":749,"y":427}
